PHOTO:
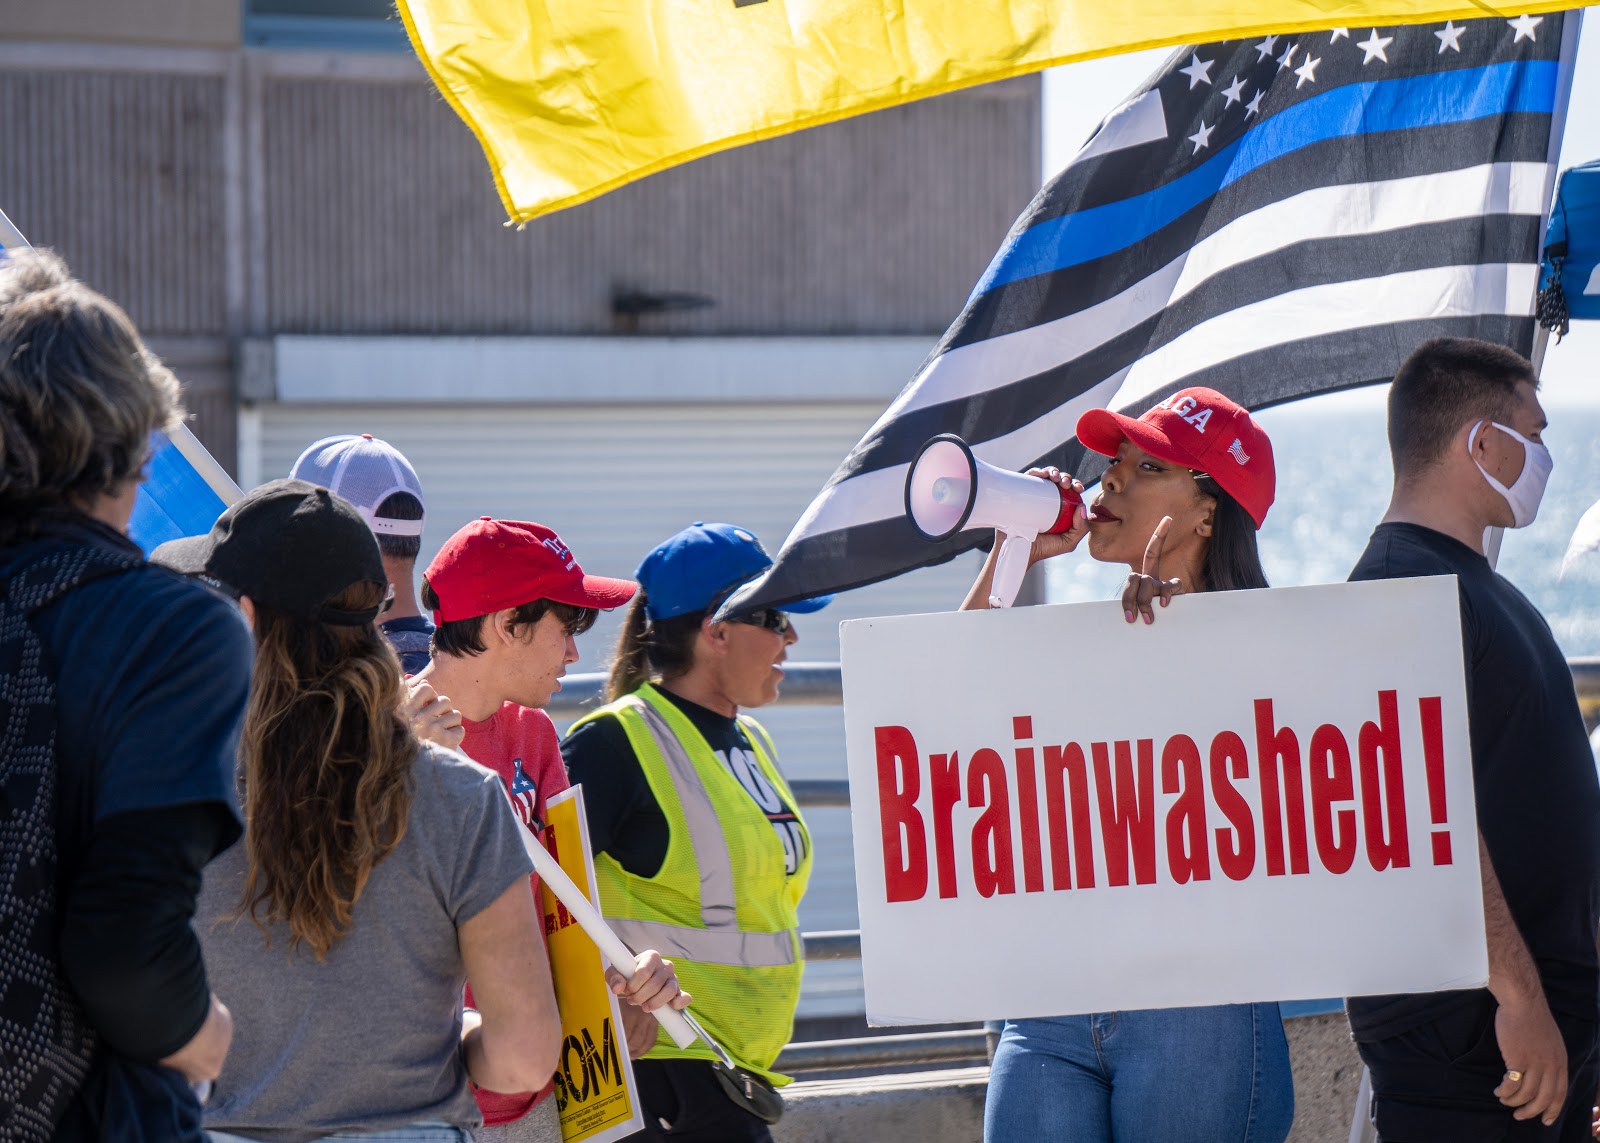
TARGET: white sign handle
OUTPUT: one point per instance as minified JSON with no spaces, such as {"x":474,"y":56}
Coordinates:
{"x":610,"y":945}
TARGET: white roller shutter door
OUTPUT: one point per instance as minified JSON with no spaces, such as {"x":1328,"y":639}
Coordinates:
{"x":614,"y":480}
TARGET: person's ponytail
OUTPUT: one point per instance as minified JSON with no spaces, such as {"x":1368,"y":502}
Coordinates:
{"x":630,"y":670}
{"x":648,"y":649}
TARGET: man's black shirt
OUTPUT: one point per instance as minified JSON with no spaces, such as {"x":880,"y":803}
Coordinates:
{"x":1537,"y":796}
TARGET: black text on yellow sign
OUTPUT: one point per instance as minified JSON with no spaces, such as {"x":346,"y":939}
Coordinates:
{"x":590,"y":1075}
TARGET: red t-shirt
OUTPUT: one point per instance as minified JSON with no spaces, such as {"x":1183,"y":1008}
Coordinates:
{"x":520,"y":744}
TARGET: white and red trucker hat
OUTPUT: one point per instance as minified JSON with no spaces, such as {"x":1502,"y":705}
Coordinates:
{"x":365,"y":471}
{"x":1201,"y":429}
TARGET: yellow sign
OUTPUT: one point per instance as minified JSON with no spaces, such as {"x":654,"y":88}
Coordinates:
{"x":594,"y":1076}
{"x":573,"y":98}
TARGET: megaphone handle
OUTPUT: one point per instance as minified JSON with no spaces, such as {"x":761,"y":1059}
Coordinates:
{"x":1009,"y":569}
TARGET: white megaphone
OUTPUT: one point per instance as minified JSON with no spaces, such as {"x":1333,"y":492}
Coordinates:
{"x":949,"y":490}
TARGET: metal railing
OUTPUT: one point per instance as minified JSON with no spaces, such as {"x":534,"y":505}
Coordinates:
{"x":820,"y":684}
{"x":961,"y":1045}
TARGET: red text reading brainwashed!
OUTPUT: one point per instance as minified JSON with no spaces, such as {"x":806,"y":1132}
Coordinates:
{"x":1269,"y":797}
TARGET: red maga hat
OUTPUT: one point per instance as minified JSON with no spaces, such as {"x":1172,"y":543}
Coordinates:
{"x":491,"y":565}
{"x":1200,"y":429}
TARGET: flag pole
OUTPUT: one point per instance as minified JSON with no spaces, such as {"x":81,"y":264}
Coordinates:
{"x":10,"y":237}
{"x":187,"y":444}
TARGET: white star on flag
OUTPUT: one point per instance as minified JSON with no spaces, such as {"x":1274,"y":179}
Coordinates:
{"x":1339,"y":34}
{"x":1234,"y":92}
{"x":1266,"y":47}
{"x":1254,"y":106}
{"x":1450,"y":37}
{"x":1287,"y":57}
{"x":1198,"y":71}
{"x":1374,"y":47}
{"x":1307,"y":72}
{"x":1202,"y":137}
{"x":1525,"y":26}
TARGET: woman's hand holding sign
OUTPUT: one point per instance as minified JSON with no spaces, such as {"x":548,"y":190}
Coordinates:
{"x":1145,"y":586}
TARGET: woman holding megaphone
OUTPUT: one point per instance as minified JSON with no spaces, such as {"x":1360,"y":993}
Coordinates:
{"x":1188,"y":485}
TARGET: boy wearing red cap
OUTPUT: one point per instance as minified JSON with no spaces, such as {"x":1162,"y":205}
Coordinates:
{"x":508,"y":602}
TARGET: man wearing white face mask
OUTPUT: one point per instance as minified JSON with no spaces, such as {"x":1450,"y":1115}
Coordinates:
{"x":1517,"y":1060}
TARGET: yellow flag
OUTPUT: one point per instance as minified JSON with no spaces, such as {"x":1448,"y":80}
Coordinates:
{"x":594,"y":1077}
{"x":573,"y":98}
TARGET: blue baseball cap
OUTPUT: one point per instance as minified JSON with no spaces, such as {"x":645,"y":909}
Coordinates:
{"x":700,"y":566}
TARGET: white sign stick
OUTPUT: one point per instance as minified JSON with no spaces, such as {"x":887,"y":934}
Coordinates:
{"x":683,"y":1033}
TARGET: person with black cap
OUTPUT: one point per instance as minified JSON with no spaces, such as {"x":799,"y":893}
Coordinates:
{"x":377,"y":874}
{"x":698,"y":841}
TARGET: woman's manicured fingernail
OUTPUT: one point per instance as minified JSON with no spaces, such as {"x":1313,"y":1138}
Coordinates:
{"x":1128,"y":615}
{"x":1149,"y":618}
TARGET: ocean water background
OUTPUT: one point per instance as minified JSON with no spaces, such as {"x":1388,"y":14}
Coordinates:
{"x":1334,"y":478}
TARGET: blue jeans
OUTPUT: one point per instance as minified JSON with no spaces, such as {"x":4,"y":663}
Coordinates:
{"x":1220,"y":1075}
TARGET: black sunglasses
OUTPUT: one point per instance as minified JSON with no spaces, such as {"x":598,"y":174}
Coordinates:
{"x":769,"y":618}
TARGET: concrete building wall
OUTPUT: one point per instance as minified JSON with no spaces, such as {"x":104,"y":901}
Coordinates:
{"x":171,"y":23}
{"x":383,"y":219}
{"x":222,"y":192}
{"x":122,"y":173}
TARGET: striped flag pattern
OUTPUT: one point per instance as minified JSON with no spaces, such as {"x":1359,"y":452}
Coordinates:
{"x":1273,"y":218}
{"x":184,"y":489}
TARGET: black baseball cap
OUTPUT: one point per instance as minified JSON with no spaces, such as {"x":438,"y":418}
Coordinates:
{"x":291,"y":547}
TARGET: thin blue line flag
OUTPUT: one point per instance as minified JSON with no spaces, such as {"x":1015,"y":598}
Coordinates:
{"x":1273,"y":218}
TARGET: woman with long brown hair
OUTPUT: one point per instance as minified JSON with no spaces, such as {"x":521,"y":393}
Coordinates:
{"x":376,"y":875}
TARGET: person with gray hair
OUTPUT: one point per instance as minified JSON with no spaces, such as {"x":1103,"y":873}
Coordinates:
{"x":123,"y":687}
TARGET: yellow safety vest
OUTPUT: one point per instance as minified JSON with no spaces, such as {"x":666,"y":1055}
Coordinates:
{"x":722,"y":907}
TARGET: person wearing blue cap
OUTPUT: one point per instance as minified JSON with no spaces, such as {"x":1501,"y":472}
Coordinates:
{"x":699,"y":847}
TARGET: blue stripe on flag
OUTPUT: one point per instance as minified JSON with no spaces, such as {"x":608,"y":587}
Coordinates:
{"x":174,"y":501}
{"x":1527,"y":86}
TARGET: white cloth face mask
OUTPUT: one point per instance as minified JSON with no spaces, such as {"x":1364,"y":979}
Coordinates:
{"x":1525,"y":494}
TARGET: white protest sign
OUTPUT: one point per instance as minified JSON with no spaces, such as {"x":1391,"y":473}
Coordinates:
{"x":1265,"y":795}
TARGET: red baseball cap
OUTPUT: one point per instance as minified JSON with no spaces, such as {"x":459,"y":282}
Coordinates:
{"x":491,"y":565}
{"x":1201,"y":429}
